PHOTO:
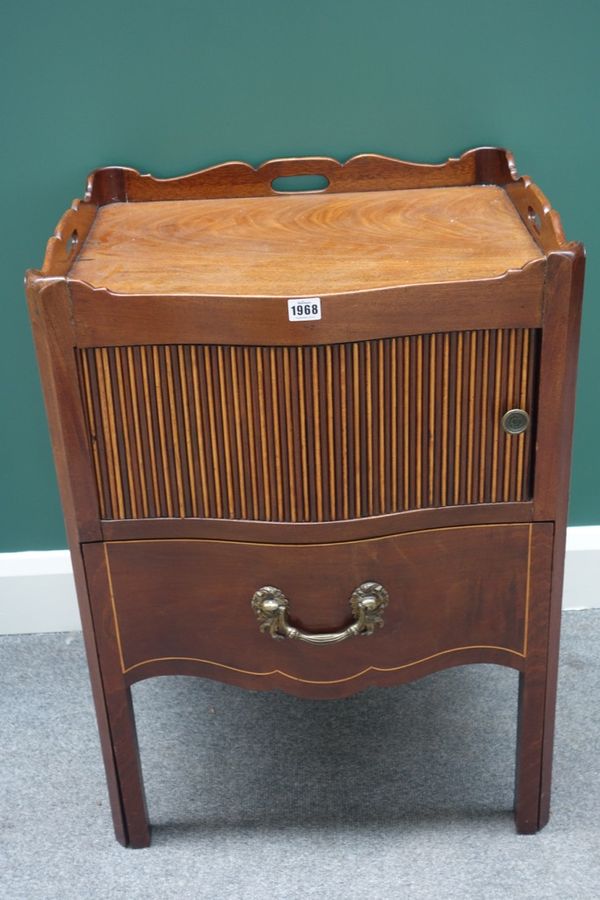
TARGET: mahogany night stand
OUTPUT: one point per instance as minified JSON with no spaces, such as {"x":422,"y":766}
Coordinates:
{"x":313,"y":441}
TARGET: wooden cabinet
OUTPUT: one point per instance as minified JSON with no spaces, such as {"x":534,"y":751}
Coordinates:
{"x":313,"y":441}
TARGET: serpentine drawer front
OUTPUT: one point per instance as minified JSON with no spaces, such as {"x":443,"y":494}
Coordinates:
{"x":315,"y":442}
{"x":452,"y":593}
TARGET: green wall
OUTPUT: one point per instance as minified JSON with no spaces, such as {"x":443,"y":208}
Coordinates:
{"x":172,"y":87}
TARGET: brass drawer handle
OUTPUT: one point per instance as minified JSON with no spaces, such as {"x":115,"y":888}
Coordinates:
{"x":367,"y":603}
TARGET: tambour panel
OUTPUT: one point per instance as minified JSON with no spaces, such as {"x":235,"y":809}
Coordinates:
{"x":313,"y":433}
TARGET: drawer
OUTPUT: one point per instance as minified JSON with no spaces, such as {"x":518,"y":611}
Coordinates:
{"x":453,"y":595}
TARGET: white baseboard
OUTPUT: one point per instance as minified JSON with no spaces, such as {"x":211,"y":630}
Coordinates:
{"x":37,"y":591}
{"x":582,"y":568}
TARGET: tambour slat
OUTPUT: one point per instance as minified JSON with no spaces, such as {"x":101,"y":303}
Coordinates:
{"x":310,"y":434}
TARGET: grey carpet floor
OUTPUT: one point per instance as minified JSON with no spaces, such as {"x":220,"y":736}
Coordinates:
{"x":403,"y":792}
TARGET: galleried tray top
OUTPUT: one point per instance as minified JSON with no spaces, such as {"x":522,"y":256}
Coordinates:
{"x":380,"y":223}
{"x":305,"y":243}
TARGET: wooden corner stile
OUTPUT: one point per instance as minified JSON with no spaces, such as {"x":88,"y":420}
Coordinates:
{"x":48,"y":303}
{"x":49,"y":307}
{"x":533,"y":679}
{"x":117,"y":702}
{"x":558,"y":378}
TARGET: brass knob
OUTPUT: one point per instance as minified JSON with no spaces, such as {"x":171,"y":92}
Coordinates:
{"x":515,"y":421}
